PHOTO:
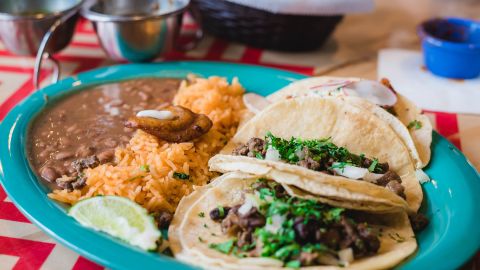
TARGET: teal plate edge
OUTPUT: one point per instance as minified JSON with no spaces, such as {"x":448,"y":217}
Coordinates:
{"x":452,"y":237}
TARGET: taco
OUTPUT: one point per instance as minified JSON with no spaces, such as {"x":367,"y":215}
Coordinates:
{"x":243,"y":222}
{"x":411,"y":125}
{"x":330,"y":147}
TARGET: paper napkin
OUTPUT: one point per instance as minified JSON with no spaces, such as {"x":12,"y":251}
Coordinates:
{"x":408,"y":75}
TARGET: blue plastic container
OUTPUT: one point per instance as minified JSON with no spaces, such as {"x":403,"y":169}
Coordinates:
{"x":451,"y":47}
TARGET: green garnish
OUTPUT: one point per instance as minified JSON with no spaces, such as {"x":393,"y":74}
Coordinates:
{"x":145,"y":168}
{"x":286,"y":251}
{"x":221,"y":211}
{"x":266,"y":192}
{"x":372,"y":166}
{"x":238,"y":253}
{"x":339,"y":165}
{"x":205,"y":225}
{"x":258,"y":155}
{"x":319,"y":150}
{"x":310,"y":248}
{"x":334,"y":214}
{"x":322,"y":151}
{"x":200,"y":239}
{"x":282,"y":244}
{"x":269,"y":220}
{"x":415,"y":124}
{"x":293,"y":264}
{"x":224,"y":247}
{"x":182,"y":176}
{"x":248,"y":247}
{"x":201,"y":214}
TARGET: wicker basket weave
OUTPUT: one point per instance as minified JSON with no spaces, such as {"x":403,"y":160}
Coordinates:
{"x":263,"y":29}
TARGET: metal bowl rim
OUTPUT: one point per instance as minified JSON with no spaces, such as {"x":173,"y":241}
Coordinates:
{"x":14,"y":17}
{"x":100,"y":17}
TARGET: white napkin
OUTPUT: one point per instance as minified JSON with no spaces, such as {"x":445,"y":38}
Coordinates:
{"x":406,"y":72}
{"x":309,"y":7}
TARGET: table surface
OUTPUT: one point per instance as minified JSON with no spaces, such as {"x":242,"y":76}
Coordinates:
{"x":352,"y":51}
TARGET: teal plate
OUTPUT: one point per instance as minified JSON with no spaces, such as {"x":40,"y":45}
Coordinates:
{"x":452,"y":237}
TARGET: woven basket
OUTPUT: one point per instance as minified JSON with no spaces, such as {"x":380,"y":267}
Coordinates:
{"x":263,"y":29}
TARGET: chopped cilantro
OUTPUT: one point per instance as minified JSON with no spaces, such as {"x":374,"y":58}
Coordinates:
{"x":258,"y":155}
{"x":224,"y":247}
{"x":282,"y":244}
{"x":415,"y":124}
{"x":205,"y":225}
{"x":145,"y":168}
{"x":248,"y":247}
{"x":182,"y":176}
{"x":293,"y":264}
{"x":334,"y":214}
{"x":201,"y":214}
{"x":310,"y":248}
{"x":320,"y":150}
{"x":372,"y":166}
{"x":221,"y":211}
{"x":269,"y":220}
{"x":287,"y":251}
{"x":339,"y":165}
{"x":266,"y":192}
{"x":238,"y":252}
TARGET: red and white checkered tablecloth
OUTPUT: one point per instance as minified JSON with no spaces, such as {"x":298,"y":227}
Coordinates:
{"x":24,"y":246}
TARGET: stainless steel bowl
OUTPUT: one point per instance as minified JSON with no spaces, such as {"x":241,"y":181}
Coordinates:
{"x":23,"y":23}
{"x":136,"y":31}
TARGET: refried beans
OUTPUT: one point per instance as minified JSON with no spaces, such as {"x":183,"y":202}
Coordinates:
{"x":82,"y":129}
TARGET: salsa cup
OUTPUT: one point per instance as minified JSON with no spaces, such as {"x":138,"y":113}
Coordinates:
{"x":451,"y":47}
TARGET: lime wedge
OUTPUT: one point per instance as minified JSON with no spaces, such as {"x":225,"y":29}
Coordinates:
{"x":119,"y":217}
